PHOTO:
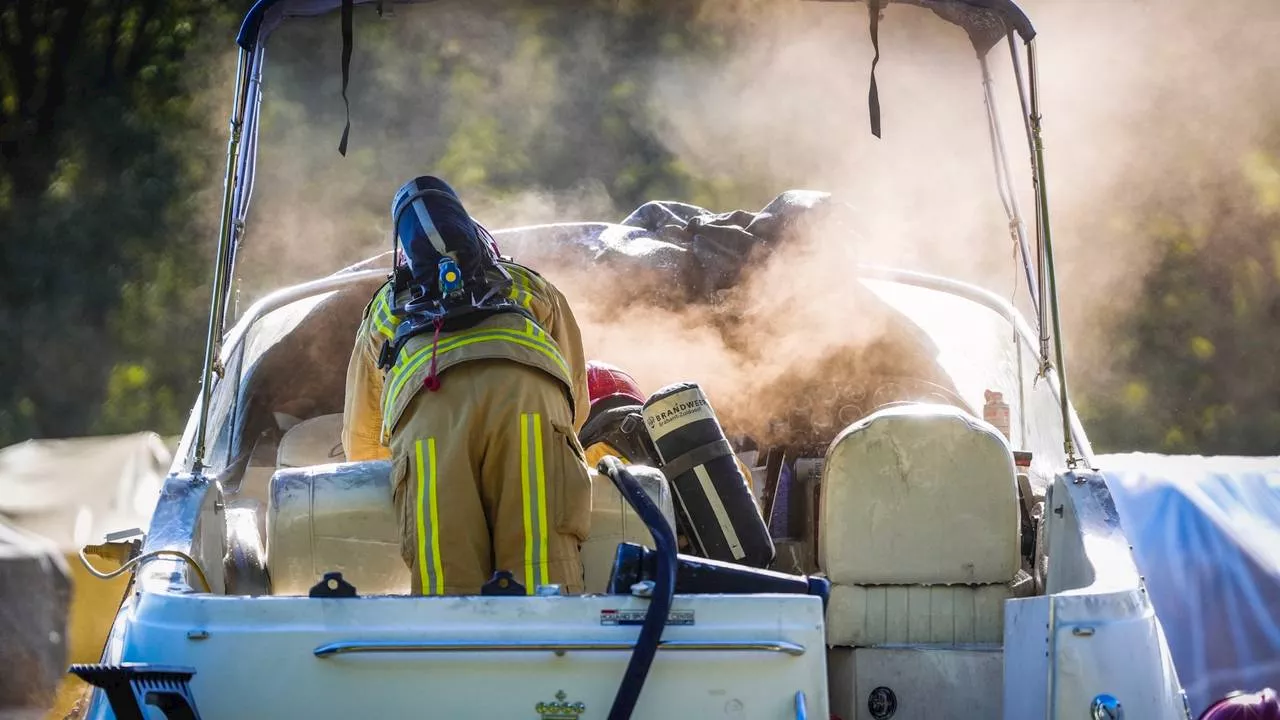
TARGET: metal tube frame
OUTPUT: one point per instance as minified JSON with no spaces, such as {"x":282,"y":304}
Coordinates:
{"x":1042,"y":299}
{"x":1046,"y":244}
{"x":222,"y":259}
{"x":1045,"y":292}
{"x":247,"y":163}
{"x":557,"y":647}
{"x":1004,"y":181}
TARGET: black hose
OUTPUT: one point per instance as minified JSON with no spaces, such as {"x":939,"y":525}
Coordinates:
{"x":664,"y":586}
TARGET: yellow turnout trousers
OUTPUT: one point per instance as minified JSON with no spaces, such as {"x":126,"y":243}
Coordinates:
{"x":491,"y":454}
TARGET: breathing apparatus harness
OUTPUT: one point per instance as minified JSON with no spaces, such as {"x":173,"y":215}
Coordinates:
{"x":447,"y":301}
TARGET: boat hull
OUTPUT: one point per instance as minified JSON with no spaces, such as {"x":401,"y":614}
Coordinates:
{"x":727,"y":656}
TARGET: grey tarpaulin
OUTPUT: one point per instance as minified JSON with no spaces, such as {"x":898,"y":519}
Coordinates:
{"x":698,"y":250}
{"x":719,"y":245}
{"x":35,"y":598}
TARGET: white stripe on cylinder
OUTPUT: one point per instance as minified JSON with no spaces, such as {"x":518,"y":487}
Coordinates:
{"x":722,"y":515}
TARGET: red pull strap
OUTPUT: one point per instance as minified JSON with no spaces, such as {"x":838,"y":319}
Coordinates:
{"x":432,"y":383}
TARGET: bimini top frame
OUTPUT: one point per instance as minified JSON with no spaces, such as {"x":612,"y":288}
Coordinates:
{"x":987,"y":23}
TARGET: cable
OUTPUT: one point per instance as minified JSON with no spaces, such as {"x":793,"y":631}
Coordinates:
{"x":146,"y":556}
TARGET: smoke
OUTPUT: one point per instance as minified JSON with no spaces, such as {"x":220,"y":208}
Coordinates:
{"x":1150,"y":108}
{"x":1144,"y":102}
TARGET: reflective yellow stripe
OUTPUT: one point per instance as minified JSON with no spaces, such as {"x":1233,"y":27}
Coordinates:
{"x":422,"y":530}
{"x":542,"y":499}
{"x":526,"y":504}
{"x":522,"y":289}
{"x":419,"y":358}
{"x":383,"y":321}
{"x":427,"y":496}
{"x":533,"y":495}
{"x":436,"y":559}
{"x":403,"y":365}
{"x":518,"y":294}
{"x":536,"y":331}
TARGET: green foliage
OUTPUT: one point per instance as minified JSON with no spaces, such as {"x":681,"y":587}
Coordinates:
{"x":97,"y":124}
{"x":1196,"y":358}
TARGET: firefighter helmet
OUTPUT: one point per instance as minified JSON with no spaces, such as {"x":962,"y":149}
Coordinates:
{"x":607,"y":382}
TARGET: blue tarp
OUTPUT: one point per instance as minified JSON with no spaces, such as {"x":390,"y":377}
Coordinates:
{"x":1206,"y":535}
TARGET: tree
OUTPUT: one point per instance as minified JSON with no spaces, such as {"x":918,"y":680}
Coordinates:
{"x":94,"y":111}
{"x":1195,"y":368}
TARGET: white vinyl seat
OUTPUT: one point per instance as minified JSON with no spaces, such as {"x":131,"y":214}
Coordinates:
{"x":315,"y":441}
{"x":920,"y":529}
{"x":613,"y":521}
{"x":341,"y":518}
{"x":334,"y":518}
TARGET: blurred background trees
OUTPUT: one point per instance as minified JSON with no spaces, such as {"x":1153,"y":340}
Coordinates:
{"x":103,"y":154}
{"x":112,"y":129}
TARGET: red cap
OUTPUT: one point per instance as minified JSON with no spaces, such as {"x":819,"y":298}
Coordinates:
{"x":606,"y":381}
{"x":1261,"y":705}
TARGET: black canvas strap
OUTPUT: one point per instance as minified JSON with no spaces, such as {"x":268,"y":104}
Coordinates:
{"x":700,"y":455}
{"x":873,"y":95}
{"x":347,"y":7}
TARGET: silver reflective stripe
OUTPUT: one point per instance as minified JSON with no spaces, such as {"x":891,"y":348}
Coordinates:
{"x":722,"y":515}
{"x":424,"y":217}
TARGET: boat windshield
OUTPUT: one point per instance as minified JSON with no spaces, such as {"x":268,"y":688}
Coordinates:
{"x":971,"y":338}
{"x":261,"y":335}
{"x":982,"y":352}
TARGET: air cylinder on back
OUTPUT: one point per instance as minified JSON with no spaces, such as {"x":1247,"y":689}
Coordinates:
{"x":710,"y":492}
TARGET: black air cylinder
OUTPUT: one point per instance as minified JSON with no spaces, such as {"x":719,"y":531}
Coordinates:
{"x":711,"y":495}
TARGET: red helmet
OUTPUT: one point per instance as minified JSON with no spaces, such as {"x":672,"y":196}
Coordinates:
{"x":606,"y":381}
{"x":1261,"y":705}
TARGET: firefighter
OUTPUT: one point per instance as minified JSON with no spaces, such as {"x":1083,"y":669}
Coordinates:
{"x":613,"y":425}
{"x":468,"y":374}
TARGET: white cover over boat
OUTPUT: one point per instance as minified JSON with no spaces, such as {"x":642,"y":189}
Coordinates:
{"x":75,"y":490}
{"x":1206,"y":534}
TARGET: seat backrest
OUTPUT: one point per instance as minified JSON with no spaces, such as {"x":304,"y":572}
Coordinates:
{"x":613,"y":521}
{"x":334,"y":518}
{"x":315,"y":441}
{"x":919,"y":495}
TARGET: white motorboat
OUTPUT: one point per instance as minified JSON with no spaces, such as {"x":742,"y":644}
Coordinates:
{"x":960,"y":555}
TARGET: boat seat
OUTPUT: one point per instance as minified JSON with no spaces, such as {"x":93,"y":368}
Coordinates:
{"x":341,"y":518}
{"x":613,"y":521}
{"x":334,"y":518}
{"x":315,"y":441}
{"x":920,"y":529}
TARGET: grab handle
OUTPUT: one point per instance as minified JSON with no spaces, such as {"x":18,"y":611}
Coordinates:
{"x":559,"y":648}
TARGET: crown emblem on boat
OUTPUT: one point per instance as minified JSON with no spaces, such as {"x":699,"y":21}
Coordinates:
{"x":560,"y":710}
